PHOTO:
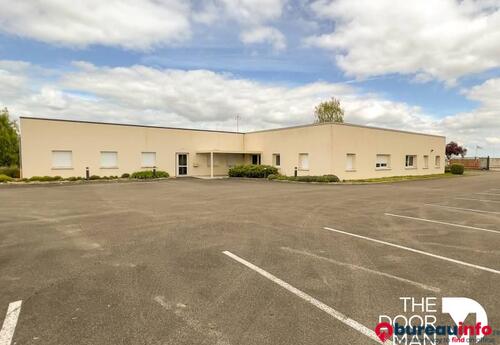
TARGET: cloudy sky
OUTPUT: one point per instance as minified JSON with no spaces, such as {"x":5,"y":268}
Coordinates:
{"x":427,"y":65}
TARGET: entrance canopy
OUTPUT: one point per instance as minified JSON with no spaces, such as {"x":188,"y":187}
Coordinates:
{"x":228,"y":152}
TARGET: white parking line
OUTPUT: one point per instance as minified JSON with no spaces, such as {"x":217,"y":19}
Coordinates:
{"x":462,"y":209}
{"x":10,"y":322}
{"x":318,"y":304}
{"x":417,"y":251}
{"x":484,"y":200}
{"x":361,"y":268}
{"x":444,"y":223}
{"x":488,"y":194}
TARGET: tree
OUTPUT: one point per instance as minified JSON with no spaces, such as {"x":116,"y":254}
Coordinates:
{"x":453,"y":149}
{"x":9,"y":140}
{"x":329,"y":111}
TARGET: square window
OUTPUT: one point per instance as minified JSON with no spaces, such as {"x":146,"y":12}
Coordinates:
{"x":148,"y":159}
{"x":411,"y":161}
{"x":383,"y":162}
{"x":62,"y":159}
{"x":109,"y":159}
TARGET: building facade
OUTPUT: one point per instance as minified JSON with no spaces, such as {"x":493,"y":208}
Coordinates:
{"x":66,"y":148}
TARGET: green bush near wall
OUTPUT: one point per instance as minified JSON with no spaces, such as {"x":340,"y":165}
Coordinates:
{"x":5,"y":178}
{"x":10,"y":171}
{"x":44,"y":178}
{"x":148,"y":174}
{"x":323,"y":179}
{"x":457,"y":169}
{"x":252,"y":170}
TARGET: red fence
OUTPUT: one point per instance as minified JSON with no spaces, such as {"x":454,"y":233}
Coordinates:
{"x":468,"y":163}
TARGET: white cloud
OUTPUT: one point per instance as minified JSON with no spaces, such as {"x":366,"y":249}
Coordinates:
{"x":264,"y":34}
{"x":431,"y":39}
{"x":206,"y":99}
{"x":253,"y":16}
{"x":131,"y":24}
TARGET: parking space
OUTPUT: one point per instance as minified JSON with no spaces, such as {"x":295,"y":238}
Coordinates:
{"x":224,"y":262}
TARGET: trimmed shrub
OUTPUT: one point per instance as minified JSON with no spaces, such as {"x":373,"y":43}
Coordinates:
{"x":148,"y":174}
{"x":5,"y":178}
{"x":10,"y":171}
{"x":74,"y":178}
{"x":323,"y":179}
{"x":126,"y":175}
{"x":94,"y":177}
{"x":45,"y":178}
{"x":457,"y":169}
{"x":253,"y":170}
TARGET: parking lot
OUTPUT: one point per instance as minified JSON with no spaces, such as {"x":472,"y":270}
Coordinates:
{"x":188,"y":261}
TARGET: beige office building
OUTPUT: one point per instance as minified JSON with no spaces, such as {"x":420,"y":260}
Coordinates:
{"x":67,"y":148}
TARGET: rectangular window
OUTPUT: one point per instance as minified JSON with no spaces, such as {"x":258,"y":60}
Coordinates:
{"x":304,"y":161}
{"x":148,"y":159}
{"x":350,"y":163}
{"x":109,"y":159}
{"x":383,"y":162}
{"x":437,"y":161}
{"x":256,"y":159}
{"x":276,"y":159}
{"x":426,"y":162}
{"x":411,"y":161}
{"x":62,"y":159}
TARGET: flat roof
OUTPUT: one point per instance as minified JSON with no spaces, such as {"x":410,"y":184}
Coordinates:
{"x":126,"y":124}
{"x":347,"y":124}
{"x":232,"y":132}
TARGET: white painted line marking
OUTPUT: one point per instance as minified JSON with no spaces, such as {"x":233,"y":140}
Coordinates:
{"x":361,"y":268}
{"x":318,"y":304}
{"x":10,"y":322}
{"x":444,"y":223}
{"x":485,"y":200}
{"x":417,"y":251}
{"x":462,"y":209}
{"x":488,"y":194}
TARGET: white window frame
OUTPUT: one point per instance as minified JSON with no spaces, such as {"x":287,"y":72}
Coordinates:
{"x":414,"y":161}
{"x":353,"y":162}
{"x":62,"y":167}
{"x":437,"y":161}
{"x":426,"y":161}
{"x":109,"y":166}
{"x":301,"y":165}
{"x":145,"y":165}
{"x":379,"y":166}
{"x":276,"y":157}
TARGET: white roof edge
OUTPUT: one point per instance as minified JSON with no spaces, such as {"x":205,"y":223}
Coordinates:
{"x":345,"y":124}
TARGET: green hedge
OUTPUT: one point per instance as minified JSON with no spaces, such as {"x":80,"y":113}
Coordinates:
{"x":45,"y":178}
{"x":457,"y":169}
{"x":252,"y":170}
{"x":324,"y":178}
{"x":5,"y":178}
{"x":10,"y":171}
{"x":126,"y":175}
{"x":148,"y":174}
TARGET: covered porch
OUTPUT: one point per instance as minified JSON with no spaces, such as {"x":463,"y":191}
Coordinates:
{"x":220,"y":161}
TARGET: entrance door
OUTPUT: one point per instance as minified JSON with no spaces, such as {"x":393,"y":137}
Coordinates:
{"x":182,"y":164}
{"x":256,"y":159}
